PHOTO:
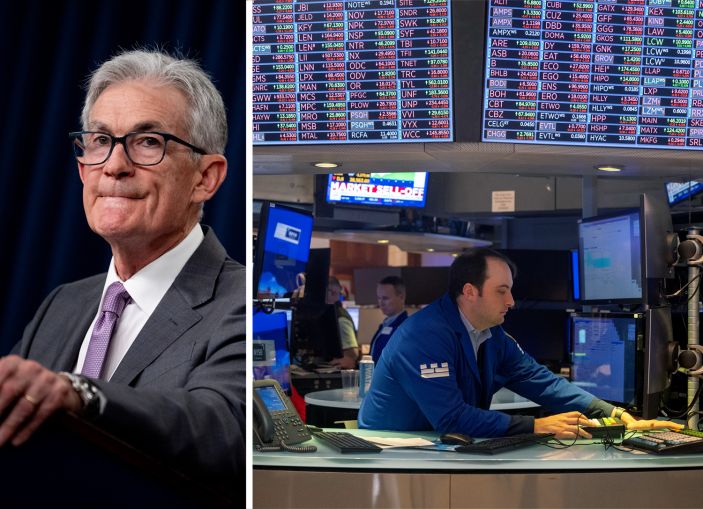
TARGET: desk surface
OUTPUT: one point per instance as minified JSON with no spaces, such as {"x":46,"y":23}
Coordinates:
{"x":584,"y":455}
{"x":504,"y":399}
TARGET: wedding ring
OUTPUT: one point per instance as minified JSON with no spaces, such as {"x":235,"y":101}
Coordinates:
{"x":31,"y":399}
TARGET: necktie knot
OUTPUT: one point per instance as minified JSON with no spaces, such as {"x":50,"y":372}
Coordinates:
{"x":116,"y":298}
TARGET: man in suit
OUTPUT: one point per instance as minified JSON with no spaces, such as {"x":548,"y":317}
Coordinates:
{"x":154,"y":350}
{"x":390,"y":293}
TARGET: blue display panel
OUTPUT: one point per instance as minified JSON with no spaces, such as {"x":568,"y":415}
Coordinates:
{"x":603,"y":353}
{"x":362,"y":71}
{"x":271,"y":399}
{"x":391,"y":189}
{"x":602,"y":73}
{"x":282,"y":256}
{"x":679,"y":191}
{"x":270,"y":355}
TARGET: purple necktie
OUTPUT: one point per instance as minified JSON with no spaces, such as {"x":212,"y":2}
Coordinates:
{"x":115,"y":300}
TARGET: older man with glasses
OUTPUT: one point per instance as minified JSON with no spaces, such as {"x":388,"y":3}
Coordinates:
{"x":153,"y":350}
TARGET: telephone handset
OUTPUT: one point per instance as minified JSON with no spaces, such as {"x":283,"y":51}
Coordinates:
{"x":276,"y":423}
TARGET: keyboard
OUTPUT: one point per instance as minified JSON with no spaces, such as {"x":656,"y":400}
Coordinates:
{"x":501,"y":444}
{"x":346,"y":442}
{"x":668,"y":442}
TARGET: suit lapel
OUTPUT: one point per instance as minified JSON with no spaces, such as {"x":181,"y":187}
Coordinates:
{"x":176,"y":313}
{"x":75,"y":326}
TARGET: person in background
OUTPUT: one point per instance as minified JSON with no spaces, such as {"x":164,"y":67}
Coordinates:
{"x":153,"y":350}
{"x":347,"y":332}
{"x":390,"y":292}
{"x":446,"y":362}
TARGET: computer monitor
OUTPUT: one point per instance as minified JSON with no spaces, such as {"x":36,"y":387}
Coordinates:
{"x":659,"y":247}
{"x":315,"y":336}
{"x":610,"y":258}
{"x":604,"y":355}
{"x":542,"y":333}
{"x":270,"y":355}
{"x":657,"y":359}
{"x":282,"y":249}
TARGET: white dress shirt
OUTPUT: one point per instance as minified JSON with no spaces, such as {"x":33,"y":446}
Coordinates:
{"x":146,"y":289}
{"x":477,"y":336}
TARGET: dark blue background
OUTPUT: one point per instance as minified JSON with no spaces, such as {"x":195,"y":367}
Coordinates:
{"x":48,"y":49}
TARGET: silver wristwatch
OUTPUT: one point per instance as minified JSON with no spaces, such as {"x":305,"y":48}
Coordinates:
{"x":87,"y":391}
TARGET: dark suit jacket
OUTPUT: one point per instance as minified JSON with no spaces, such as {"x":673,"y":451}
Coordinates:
{"x":179,"y":392}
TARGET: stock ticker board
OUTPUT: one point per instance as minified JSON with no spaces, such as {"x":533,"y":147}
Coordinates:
{"x":362,"y":71}
{"x":606,"y":73}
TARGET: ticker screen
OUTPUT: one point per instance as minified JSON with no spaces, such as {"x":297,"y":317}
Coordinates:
{"x":353,"y":71}
{"x":626,"y":73}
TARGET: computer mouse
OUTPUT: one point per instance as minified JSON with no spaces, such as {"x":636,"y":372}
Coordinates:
{"x":456,"y":439}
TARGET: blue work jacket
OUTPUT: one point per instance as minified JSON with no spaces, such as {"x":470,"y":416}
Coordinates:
{"x":428,"y":378}
{"x":383,"y":335}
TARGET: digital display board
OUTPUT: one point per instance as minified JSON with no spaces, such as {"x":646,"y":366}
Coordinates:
{"x":679,"y":191}
{"x":357,"y":71}
{"x":391,"y":189}
{"x":625,"y":73}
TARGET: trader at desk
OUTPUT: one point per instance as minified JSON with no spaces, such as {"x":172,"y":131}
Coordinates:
{"x":152,"y":351}
{"x":347,"y":332}
{"x":442,"y":366}
{"x":390,"y":292}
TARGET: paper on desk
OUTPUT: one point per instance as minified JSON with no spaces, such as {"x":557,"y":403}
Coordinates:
{"x":388,"y":442}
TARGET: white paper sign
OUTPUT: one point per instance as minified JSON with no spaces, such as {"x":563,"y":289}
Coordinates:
{"x":503,"y":201}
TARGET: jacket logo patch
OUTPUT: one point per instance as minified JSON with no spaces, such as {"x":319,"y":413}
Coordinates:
{"x":434,"y":371}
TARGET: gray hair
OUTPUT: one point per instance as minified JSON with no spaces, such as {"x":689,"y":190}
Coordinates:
{"x":206,"y":120}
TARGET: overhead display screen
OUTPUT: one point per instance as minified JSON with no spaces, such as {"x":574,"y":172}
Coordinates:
{"x":354,"y":71}
{"x":394,"y":189}
{"x":606,"y":73}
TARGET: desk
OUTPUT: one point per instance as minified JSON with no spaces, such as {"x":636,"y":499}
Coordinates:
{"x":323,"y":408}
{"x":586,"y":475}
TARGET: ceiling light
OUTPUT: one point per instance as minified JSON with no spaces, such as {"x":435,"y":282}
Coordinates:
{"x":430,"y":250}
{"x":326,"y":165}
{"x":383,"y":241}
{"x":609,"y":167}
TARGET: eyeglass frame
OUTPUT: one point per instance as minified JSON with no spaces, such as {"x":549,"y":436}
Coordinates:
{"x":114,"y":140}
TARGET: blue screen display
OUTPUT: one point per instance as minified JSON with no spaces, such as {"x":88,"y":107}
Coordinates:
{"x":678,"y":191}
{"x":271,"y":398}
{"x":271,"y":358}
{"x":603,"y":356}
{"x":286,"y":248}
{"x":404,"y":189}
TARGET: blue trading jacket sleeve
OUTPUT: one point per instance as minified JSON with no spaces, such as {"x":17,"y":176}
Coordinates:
{"x":440,"y":399}
{"x":528,"y":378}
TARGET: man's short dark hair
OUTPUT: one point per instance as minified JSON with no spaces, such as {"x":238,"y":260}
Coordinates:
{"x":470,"y":267}
{"x":396,"y":282}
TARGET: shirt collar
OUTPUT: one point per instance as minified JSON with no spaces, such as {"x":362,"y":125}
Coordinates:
{"x":390,"y":319}
{"x":477,"y":337}
{"x":148,"y":286}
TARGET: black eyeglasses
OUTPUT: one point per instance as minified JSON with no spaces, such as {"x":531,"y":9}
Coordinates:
{"x":142,"y":148}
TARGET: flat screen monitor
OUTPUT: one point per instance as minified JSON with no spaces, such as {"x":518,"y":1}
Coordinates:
{"x":282,"y":249}
{"x":270,"y":355}
{"x":604,"y":355}
{"x":385,"y":189}
{"x":364,"y":71}
{"x":315,"y":336}
{"x":611,"y":74}
{"x":610,"y":257}
{"x":676,"y":192}
{"x":656,"y":360}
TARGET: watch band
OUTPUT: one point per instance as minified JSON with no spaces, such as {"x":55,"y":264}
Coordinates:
{"x":618,"y":411}
{"x":87,"y":391}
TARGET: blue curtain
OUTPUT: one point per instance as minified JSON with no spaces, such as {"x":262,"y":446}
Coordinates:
{"x":47,"y":51}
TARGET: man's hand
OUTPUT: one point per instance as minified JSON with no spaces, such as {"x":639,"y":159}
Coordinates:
{"x":566,"y":425}
{"x":29,"y":394}
{"x":633,"y":424}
